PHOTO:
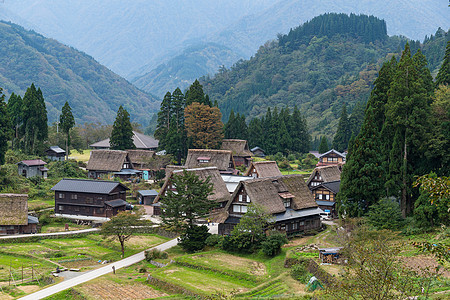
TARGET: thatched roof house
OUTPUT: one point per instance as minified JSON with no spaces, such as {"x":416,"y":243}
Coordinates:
{"x":14,"y":217}
{"x":324,"y":174}
{"x":140,"y":158}
{"x":222,"y":159}
{"x":263,"y":169}
{"x":107,"y":161}
{"x":287,"y":198}
{"x":171,"y":168}
{"x":220,"y":192}
{"x":241,"y":152}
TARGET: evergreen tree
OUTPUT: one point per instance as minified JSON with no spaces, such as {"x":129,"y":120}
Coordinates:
{"x":229,"y":130}
{"x":255,"y":133}
{"x":15,"y":104}
{"x":323,"y":147}
{"x":284,"y":143}
{"x":34,"y":127}
{"x":342,"y":136}
{"x":66,"y":121}
{"x":443,"y":76}
{"x":195,"y":94}
{"x":5,"y":127}
{"x":298,"y":129}
{"x":356,"y":119}
{"x":122,"y":131}
{"x":242,"y":128}
{"x":164,"y":118}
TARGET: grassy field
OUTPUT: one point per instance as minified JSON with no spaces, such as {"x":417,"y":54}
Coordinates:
{"x":80,"y":156}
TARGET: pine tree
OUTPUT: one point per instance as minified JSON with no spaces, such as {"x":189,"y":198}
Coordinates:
{"x":15,"y":104}
{"x":255,"y":133}
{"x":356,"y":119}
{"x":443,"y":76}
{"x":195,"y":94}
{"x":164,"y":119}
{"x":66,"y":121}
{"x":230,"y":126}
{"x":5,"y":127}
{"x":34,"y":127}
{"x":122,"y":131}
{"x":298,"y":129}
{"x":342,"y":136}
{"x":323,"y":147}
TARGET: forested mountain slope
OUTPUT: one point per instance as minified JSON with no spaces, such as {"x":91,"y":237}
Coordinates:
{"x":65,"y":74}
{"x":330,"y":60}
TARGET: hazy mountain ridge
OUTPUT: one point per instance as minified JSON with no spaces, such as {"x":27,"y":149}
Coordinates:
{"x":65,"y":74}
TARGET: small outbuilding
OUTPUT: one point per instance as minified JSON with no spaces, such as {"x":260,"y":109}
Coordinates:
{"x":14,"y":218}
{"x":31,"y":168}
{"x":262,"y":169}
{"x":241,"y":152}
{"x":146,"y":197}
{"x":329,"y":255}
{"x":257,"y":151}
{"x":55,"y":153}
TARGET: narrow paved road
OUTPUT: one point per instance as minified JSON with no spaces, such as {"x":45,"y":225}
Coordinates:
{"x":101,"y":271}
{"x":18,"y":236}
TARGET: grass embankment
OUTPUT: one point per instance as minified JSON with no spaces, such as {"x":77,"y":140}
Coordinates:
{"x":81,"y":156}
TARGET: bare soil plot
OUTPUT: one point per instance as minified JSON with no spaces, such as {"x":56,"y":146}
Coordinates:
{"x":4,"y":296}
{"x":28,"y":289}
{"x":420,"y":262}
{"x":107,"y":289}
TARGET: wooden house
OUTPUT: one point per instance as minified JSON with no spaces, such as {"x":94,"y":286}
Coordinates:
{"x":14,"y":218}
{"x":232,"y":181}
{"x":141,"y":142}
{"x":93,"y":198}
{"x":146,"y":197}
{"x":324,"y":174}
{"x":140,"y":158}
{"x":220,"y":193}
{"x":241,"y":152}
{"x":222,"y":159}
{"x":286,"y":198}
{"x":106,"y":162}
{"x":331,"y":157}
{"x":55,"y":153}
{"x":325,"y":195}
{"x":261,"y":169}
{"x":258,"y":152}
{"x":34,"y":167}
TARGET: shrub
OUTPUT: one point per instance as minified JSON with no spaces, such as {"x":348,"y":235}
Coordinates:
{"x":386,"y":214}
{"x":284,"y":164}
{"x":155,"y":254}
{"x":309,"y":162}
{"x":271,"y":246}
{"x":142,"y":270}
{"x":291,"y":157}
{"x":67,"y":169}
{"x":278,"y":156}
{"x":214,"y":240}
{"x":194,"y":239}
{"x":300,"y":273}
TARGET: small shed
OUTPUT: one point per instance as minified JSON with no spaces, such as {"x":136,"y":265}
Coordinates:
{"x":34,"y":167}
{"x":259,"y":152}
{"x":55,"y":153}
{"x":14,"y":218}
{"x":156,"y":209}
{"x":329,"y":255}
{"x":146,"y":197}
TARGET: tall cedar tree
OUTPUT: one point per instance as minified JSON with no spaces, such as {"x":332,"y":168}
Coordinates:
{"x":443,"y":76}
{"x":15,"y":104}
{"x":195,"y":94}
{"x":356,"y":119}
{"x":204,"y":126}
{"x":256,"y":133}
{"x":5,"y":127}
{"x":163,"y":122}
{"x":323,"y":147}
{"x":66,"y":121}
{"x":188,"y":203}
{"x":408,"y":116}
{"x":342,"y":136}
{"x":34,"y":127}
{"x":236,"y":127}
{"x":298,"y":129}
{"x":122,"y":131}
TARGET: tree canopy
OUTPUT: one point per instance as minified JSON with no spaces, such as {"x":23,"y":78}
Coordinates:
{"x":122,"y":131}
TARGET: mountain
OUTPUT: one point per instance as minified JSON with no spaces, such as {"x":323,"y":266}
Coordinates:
{"x":183,"y":69}
{"x":65,"y":74}
{"x":326,"y":62}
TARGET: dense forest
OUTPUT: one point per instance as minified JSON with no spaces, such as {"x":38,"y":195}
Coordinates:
{"x":65,"y":74}
{"x":316,"y":68}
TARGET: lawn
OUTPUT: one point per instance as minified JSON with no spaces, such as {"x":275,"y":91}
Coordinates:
{"x":81,"y":156}
{"x":302,"y":172}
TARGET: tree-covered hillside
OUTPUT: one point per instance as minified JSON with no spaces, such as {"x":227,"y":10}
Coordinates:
{"x":331,"y":60}
{"x":65,"y":74}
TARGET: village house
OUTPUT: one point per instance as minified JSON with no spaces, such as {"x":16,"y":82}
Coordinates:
{"x":140,"y":161}
{"x":258,"y":152}
{"x":141,"y":142}
{"x":92,"y":198}
{"x":220,"y":192}
{"x":34,"y":167}
{"x":222,"y":159}
{"x":325,"y":195}
{"x":263,"y":169}
{"x":146,"y":197}
{"x":324,"y":174}
{"x":331,"y":157}
{"x":241,"y":152}
{"x":286,"y":198}
{"x":55,"y":153}
{"x":14,"y":218}
{"x":109,"y":163}
{"x":232,"y":181}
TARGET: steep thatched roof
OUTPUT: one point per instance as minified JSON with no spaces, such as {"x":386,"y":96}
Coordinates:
{"x":264,"y":169}
{"x":269,"y":192}
{"x":13,"y":209}
{"x":106,"y":160}
{"x":238,"y":147}
{"x":139,"y":158}
{"x":216,"y":158}
{"x":328,"y":173}
{"x":171,"y":168}
{"x":220,"y":191}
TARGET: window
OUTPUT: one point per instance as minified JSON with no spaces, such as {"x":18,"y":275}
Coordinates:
{"x":243,"y":209}
{"x":302,"y":223}
{"x":294,"y":226}
{"x":248,"y":198}
{"x":77,"y":208}
{"x":89,"y":200}
{"x":61,"y":196}
{"x":73,"y":196}
{"x":287,"y":202}
{"x":254,"y":175}
{"x":60,"y":207}
{"x":240,"y":198}
{"x":320,"y":196}
{"x":203,"y":161}
{"x":327,"y":197}
{"x":239,"y":208}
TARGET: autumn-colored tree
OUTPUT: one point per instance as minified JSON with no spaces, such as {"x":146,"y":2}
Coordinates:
{"x":204,"y":126}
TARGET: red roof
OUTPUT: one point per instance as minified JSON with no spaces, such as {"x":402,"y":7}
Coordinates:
{"x":33,"y":162}
{"x":203,"y":158}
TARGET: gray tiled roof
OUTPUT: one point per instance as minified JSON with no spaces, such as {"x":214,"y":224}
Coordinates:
{"x":294,"y":214}
{"x":57,"y":149}
{"x":148,"y":192}
{"x":325,"y":203}
{"x":116,"y":203}
{"x":141,"y":141}
{"x":86,"y":186}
